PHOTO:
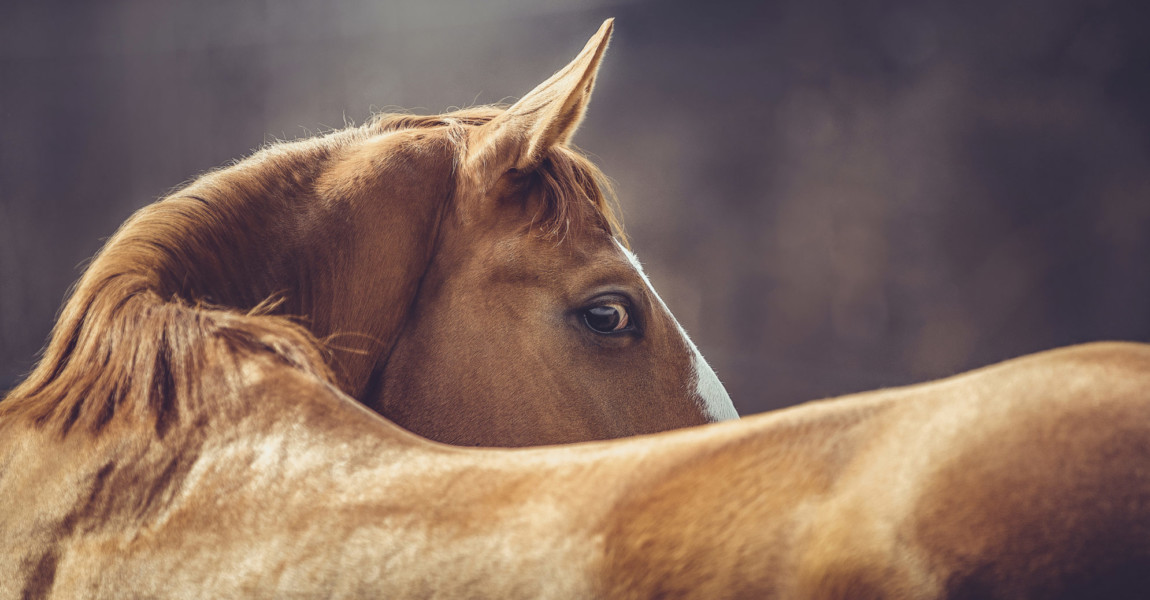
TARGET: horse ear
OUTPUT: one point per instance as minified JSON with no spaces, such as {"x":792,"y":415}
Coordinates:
{"x":547,"y":116}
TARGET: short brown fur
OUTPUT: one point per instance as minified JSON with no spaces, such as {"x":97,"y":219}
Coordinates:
{"x":169,"y":448}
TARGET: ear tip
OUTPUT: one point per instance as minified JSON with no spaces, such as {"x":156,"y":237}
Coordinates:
{"x":607,"y":27}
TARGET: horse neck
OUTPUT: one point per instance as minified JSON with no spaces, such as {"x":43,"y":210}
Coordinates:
{"x":235,"y":238}
{"x":269,"y":234}
{"x":383,"y":203}
{"x":337,"y":232}
{"x":228,"y":241}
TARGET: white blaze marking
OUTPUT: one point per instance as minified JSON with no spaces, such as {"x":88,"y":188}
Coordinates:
{"x":712,"y":396}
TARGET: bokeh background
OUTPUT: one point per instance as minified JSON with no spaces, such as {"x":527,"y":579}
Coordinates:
{"x":831,"y":196}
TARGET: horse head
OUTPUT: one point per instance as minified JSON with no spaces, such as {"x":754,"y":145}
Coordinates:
{"x":533,"y":323}
{"x":464,"y":273}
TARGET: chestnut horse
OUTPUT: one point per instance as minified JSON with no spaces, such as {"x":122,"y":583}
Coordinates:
{"x":239,"y":469}
{"x":172,"y":448}
{"x":466,"y":270}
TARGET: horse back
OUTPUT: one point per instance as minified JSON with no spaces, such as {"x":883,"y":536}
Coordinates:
{"x":1026,"y":479}
{"x":1029,"y":479}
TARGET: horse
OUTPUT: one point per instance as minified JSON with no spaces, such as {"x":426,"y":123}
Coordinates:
{"x":246,"y":471}
{"x":450,"y":262}
{"x":184,"y":448}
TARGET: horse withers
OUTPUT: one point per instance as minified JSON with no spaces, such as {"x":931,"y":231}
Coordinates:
{"x":466,"y":271}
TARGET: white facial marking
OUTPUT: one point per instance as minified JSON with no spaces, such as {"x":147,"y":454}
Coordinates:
{"x":712,"y":396}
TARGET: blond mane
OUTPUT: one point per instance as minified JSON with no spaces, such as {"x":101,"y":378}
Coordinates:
{"x":180,"y":279}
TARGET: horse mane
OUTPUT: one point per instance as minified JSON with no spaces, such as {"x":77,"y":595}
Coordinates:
{"x":181,"y":282}
{"x":120,"y":348}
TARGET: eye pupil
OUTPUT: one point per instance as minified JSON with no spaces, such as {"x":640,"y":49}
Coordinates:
{"x":603,"y":318}
{"x":607,"y":318}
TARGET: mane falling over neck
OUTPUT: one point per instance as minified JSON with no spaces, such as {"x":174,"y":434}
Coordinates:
{"x":179,"y":275}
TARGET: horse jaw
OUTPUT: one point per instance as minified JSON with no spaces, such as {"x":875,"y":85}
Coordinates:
{"x":709,"y":391}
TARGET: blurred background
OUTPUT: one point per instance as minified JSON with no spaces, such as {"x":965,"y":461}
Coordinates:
{"x":831,"y":196}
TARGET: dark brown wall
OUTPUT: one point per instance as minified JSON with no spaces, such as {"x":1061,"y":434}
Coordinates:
{"x":832,"y":196}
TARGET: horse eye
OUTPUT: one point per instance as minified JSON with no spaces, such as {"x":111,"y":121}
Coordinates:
{"x":607,"y":318}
